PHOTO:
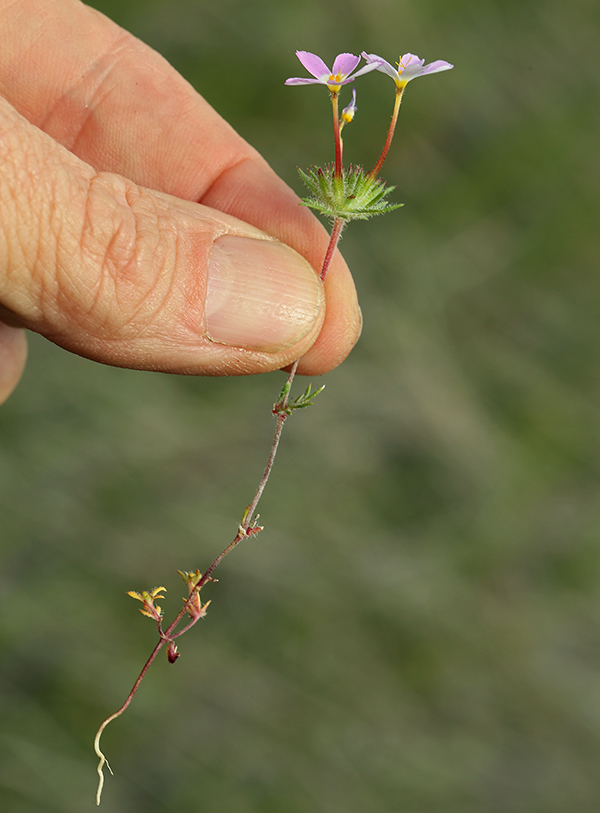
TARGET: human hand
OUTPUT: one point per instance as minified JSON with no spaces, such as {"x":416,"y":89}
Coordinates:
{"x":105,"y":154}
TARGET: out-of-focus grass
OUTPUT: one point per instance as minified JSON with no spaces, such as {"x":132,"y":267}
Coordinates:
{"x":418,"y":628}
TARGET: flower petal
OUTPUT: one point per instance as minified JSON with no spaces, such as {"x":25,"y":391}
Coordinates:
{"x":437,"y":66}
{"x":365,"y":69}
{"x":313,"y":64}
{"x":296,"y":80}
{"x":410,"y":59}
{"x":380,"y":64}
{"x":344,"y":64}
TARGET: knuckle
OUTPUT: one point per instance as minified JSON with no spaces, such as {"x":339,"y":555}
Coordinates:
{"x":131,"y":244}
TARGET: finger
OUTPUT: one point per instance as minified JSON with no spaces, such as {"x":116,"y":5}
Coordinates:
{"x":141,"y":279}
{"x":119,"y":106}
{"x":13,"y":355}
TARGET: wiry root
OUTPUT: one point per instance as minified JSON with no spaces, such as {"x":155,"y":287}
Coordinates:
{"x":102,"y":759}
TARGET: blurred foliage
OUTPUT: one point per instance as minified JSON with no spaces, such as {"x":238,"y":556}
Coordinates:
{"x":418,"y":628}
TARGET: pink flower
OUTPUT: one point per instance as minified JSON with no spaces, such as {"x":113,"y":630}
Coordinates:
{"x":340,"y":74}
{"x":409,"y":67}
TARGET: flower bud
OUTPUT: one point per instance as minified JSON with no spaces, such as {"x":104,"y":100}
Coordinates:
{"x":349,"y":111}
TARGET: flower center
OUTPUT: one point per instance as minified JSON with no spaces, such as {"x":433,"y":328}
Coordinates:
{"x":400,"y":66}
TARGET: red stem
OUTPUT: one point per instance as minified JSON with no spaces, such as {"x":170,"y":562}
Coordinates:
{"x":336,"y":233}
{"x":388,"y":141}
{"x":336,"y":133}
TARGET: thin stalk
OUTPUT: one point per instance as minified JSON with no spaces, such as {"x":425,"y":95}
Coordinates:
{"x":246,"y":528}
{"x":336,"y":133}
{"x":336,"y":233}
{"x":388,"y":141}
{"x":281,"y":418}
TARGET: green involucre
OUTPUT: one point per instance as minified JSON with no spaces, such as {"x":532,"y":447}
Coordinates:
{"x":353,"y":196}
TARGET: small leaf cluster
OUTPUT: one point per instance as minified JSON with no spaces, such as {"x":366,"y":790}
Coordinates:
{"x":353,"y":195}
{"x":194,"y":608}
{"x":283,"y":407}
{"x":148,"y":597}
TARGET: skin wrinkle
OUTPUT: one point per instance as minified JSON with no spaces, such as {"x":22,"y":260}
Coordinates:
{"x":59,"y":228}
{"x":140,"y":220}
{"x":87,"y":229}
{"x":179,"y":252}
{"x":93,"y":254}
{"x":18,"y":186}
{"x":165,"y":252}
{"x":104,"y":277}
{"x":92,"y":98}
{"x":9,"y":5}
{"x":33,"y":193}
{"x":117,"y":260}
{"x":60,"y":239}
{"x":216,"y":181}
{"x":194,"y":292}
{"x":8,"y":194}
{"x":113,"y":47}
{"x":156,"y":290}
{"x":38,"y":35}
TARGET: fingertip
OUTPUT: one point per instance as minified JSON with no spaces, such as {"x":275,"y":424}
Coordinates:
{"x":343,"y":323}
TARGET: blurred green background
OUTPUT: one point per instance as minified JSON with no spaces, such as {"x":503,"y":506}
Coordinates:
{"x":418,"y":628}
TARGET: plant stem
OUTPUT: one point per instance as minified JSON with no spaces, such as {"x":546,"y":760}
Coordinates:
{"x":386,"y":147}
{"x":336,"y":133}
{"x":336,"y":233}
{"x":246,"y":528}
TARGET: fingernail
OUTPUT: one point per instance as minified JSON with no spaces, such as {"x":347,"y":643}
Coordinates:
{"x":261,"y":295}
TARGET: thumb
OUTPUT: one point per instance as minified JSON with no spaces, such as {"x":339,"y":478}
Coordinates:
{"x":136,"y":278}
